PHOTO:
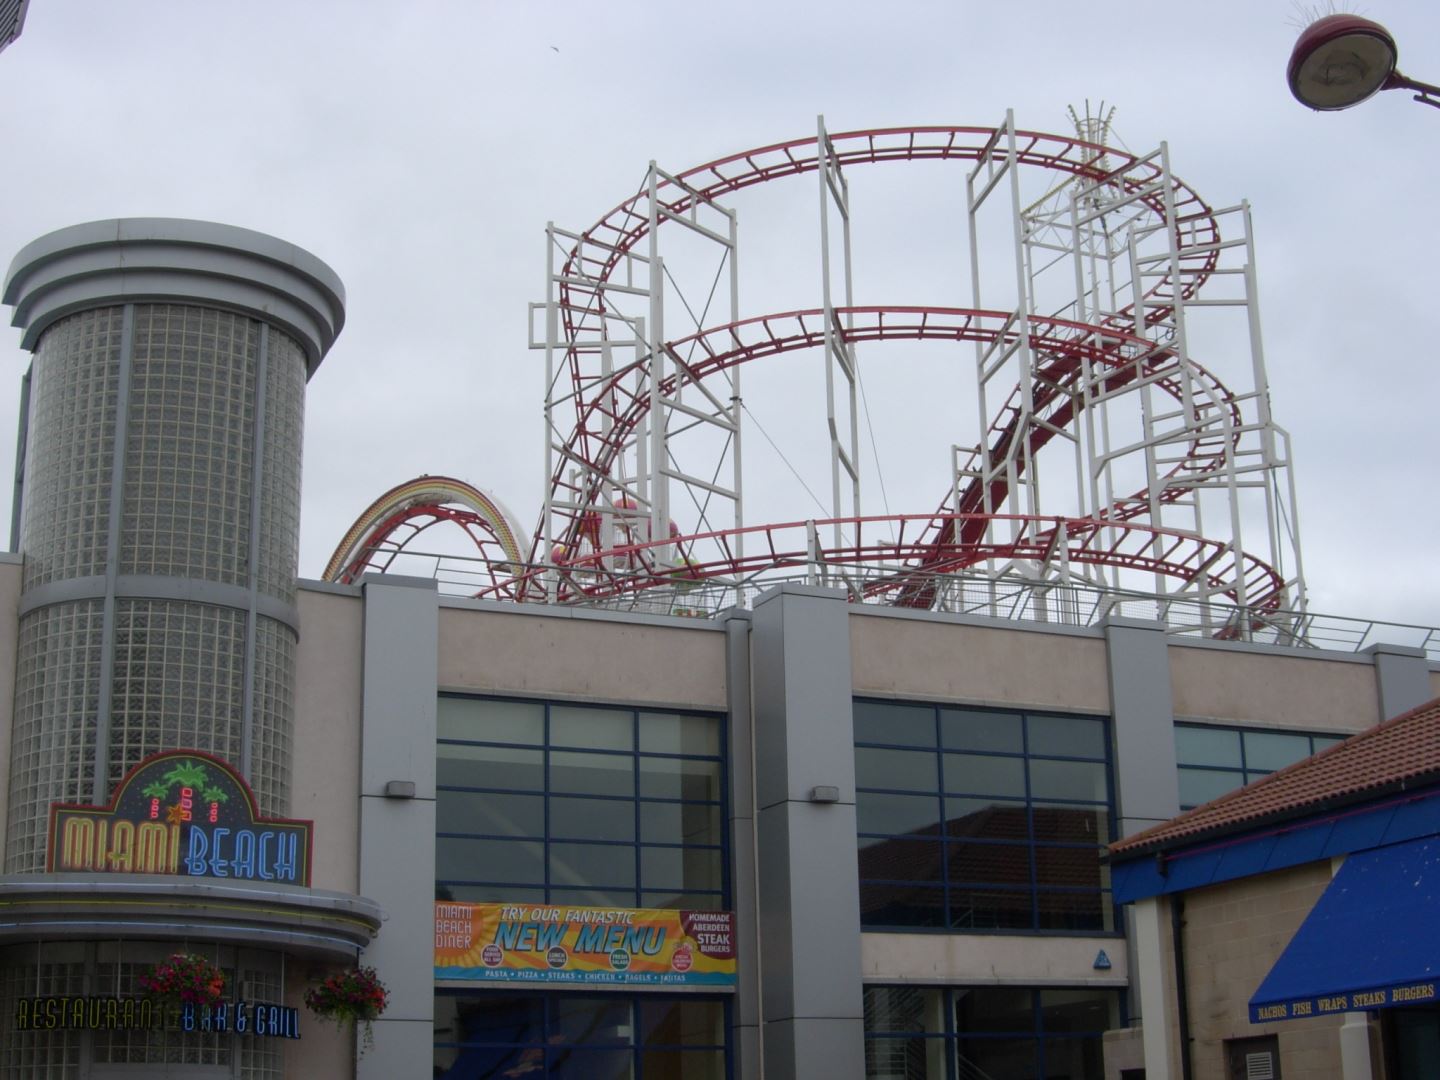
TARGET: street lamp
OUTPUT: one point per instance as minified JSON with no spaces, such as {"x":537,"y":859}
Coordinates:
{"x":1341,"y":60}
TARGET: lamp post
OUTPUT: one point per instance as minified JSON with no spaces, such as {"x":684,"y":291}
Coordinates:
{"x":1341,"y":60}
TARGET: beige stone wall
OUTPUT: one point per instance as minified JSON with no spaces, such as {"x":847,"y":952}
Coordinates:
{"x":894,"y":656}
{"x":592,"y":658}
{"x":325,"y":753}
{"x":1235,"y":686}
{"x":1233,"y":934}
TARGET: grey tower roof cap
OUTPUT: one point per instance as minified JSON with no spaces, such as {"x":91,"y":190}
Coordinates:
{"x":139,"y":260}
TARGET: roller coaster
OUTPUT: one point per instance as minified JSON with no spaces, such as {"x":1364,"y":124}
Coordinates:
{"x":1176,"y":483}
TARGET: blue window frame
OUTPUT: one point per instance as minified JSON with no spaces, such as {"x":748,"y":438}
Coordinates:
{"x":609,"y":1036}
{"x":935,"y":1033}
{"x":591,"y":805}
{"x":982,"y":819}
{"x":1214,"y":760}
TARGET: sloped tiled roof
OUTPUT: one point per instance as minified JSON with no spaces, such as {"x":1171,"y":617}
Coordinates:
{"x":1402,"y":752}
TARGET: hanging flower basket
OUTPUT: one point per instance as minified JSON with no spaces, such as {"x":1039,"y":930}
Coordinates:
{"x":184,"y":979}
{"x":350,"y":997}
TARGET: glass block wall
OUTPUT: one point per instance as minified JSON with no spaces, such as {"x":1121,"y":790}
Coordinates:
{"x":191,"y":414}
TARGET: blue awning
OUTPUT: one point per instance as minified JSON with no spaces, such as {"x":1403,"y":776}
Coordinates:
{"x":1371,"y":941}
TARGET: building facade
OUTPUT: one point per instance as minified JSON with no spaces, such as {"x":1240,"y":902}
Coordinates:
{"x":895,"y":818}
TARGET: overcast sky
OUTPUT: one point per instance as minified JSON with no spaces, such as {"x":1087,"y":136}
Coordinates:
{"x":421,"y":148}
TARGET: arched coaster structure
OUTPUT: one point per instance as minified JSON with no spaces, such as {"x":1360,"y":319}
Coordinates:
{"x":391,"y":525}
{"x":1108,"y":455}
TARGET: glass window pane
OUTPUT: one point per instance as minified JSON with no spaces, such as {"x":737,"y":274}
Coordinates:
{"x":998,"y":1057}
{"x":897,"y":813}
{"x":980,"y":729}
{"x":1074,"y":1011}
{"x":490,"y":721}
{"x":988,"y":864}
{"x":489,"y":767}
{"x":903,"y":725}
{"x":489,"y":812}
{"x":596,"y":897}
{"x":1270,"y":750}
{"x":989,"y":909}
{"x":1068,"y":780}
{"x":679,"y":1022}
{"x":1067,"y":736}
{"x":683,"y":1064}
{"x":490,"y":894}
{"x":599,"y":729}
{"x":910,"y":770}
{"x":904,"y":1008}
{"x":974,"y":774}
{"x":592,"y":774}
{"x":1201,"y":785}
{"x":1066,"y":824}
{"x":1075,"y":911}
{"x":1322,"y":741}
{"x":679,"y":778}
{"x":489,"y":860}
{"x":567,"y":1064}
{"x":688,"y":901}
{"x":678,"y":733}
{"x":491,"y":1018}
{"x":592,"y":819}
{"x":680,"y":868}
{"x":995,"y":1009}
{"x":1196,"y":745}
{"x":604,"y":865}
{"x":1077,"y":867}
{"x":590,"y":1018}
{"x":901,"y":905}
{"x":892,"y":1056}
{"x":680,"y":823}
{"x":900,"y":860}
{"x":986,"y":819}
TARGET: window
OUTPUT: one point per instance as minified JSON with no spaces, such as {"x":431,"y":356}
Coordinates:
{"x":560,"y":803}
{"x":981,"y":819}
{"x":1217,"y":760}
{"x":924,"y":1033}
{"x":585,"y":1036}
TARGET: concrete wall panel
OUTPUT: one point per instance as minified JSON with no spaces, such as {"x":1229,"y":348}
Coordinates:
{"x":991,"y":959}
{"x":1272,"y":689}
{"x":598,"y":659}
{"x":326,"y":746}
{"x":898,"y":656}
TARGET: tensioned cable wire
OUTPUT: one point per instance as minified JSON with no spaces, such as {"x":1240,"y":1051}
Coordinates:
{"x":760,"y":427}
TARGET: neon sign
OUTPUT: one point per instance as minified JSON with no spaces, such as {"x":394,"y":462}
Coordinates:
{"x":180,"y":812}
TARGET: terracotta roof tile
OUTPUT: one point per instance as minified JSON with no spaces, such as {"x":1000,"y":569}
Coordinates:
{"x":1398,"y":751}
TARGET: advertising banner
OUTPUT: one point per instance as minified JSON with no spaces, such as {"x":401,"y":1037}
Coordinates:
{"x":557,"y":943}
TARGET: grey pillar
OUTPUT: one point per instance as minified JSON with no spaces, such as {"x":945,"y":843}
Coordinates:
{"x":1142,"y":725}
{"x":397,"y":823}
{"x":1142,"y":747}
{"x":745,"y":1016}
{"x":1402,"y":678}
{"x":808,"y":883}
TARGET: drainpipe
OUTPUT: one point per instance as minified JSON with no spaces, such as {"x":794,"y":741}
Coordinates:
{"x":1182,"y":997}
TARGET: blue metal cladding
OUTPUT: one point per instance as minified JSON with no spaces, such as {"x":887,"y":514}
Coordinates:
{"x":1409,"y":817}
{"x":1371,"y":941}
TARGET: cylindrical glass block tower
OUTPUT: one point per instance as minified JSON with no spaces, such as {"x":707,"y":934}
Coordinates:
{"x":159,"y":505}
